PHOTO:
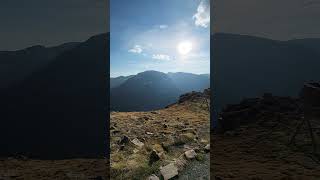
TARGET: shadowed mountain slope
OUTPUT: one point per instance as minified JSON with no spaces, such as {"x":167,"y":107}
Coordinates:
{"x":145,"y":91}
{"x":59,"y":111}
{"x":247,"y":66}
{"x":17,"y":65}
{"x":117,"y":81}
{"x":151,"y":90}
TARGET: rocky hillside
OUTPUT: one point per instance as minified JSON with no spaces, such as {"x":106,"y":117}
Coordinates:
{"x":253,"y":141}
{"x":162,"y":143}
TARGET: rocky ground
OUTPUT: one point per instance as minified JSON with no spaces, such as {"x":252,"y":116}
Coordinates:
{"x":255,"y":142}
{"x":163,"y":143}
{"x":72,"y":169}
{"x":251,"y":143}
{"x":198,"y":170}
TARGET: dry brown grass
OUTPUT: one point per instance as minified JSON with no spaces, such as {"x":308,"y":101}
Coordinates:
{"x":53,"y":169}
{"x":177,"y":125}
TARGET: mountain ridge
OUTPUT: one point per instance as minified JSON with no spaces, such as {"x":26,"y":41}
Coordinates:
{"x":15,"y":66}
{"x":64,"y":101}
{"x":150,"y":90}
{"x":247,"y":66}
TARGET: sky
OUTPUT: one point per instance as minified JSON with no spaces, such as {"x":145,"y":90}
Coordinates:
{"x":273,"y":19}
{"x":25,"y":23}
{"x":161,"y":35}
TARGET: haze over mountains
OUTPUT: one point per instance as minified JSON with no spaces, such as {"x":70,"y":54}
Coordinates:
{"x":247,"y":66}
{"x":152,"y":90}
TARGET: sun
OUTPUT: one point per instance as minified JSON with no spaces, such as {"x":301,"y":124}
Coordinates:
{"x":184,"y":47}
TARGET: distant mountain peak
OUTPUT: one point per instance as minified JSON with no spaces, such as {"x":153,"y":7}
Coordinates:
{"x":150,"y":72}
{"x":36,"y":47}
{"x":152,"y":89}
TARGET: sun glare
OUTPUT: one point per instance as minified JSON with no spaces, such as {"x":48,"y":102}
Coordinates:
{"x":184,"y":47}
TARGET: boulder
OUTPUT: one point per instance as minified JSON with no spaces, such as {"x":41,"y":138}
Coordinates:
{"x":207,"y":148}
{"x":191,"y":154}
{"x":185,"y":138}
{"x":153,"y":177}
{"x":170,"y":141}
{"x":137,"y":142}
{"x":169,"y":171}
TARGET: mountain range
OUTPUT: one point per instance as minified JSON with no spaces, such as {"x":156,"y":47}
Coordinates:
{"x":54,"y":101}
{"x":245,"y":66}
{"x":56,"y":108}
{"x":152,"y":90}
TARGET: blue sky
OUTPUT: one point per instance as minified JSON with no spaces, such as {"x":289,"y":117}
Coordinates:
{"x":161,"y":35}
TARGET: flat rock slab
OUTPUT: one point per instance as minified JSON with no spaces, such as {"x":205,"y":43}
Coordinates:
{"x":137,"y":143}
{"x":169,"y":171}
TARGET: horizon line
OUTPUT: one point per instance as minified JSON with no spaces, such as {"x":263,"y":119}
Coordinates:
{"x":161,"y":72}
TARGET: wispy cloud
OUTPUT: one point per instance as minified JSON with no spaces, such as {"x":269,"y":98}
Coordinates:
{"x":202,"y":17}
{"x":161,"y":57}
{"x":163,"y":26}
{"x":136,"y":49}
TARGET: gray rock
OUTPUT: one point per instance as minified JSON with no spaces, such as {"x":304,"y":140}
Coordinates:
{"x":181,"y":162}
{"x":207,"y":148}
{"x":138,"y":143}
{"x":170,"y":141}
{"x":191,"y":154}
{"x":169,"y":171}
{"x":153,"y":177}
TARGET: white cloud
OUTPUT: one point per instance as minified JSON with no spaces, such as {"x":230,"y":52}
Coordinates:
{"x":161,"y":57}
{"x":163,"y":26}
{"x":202,"y":17}
{"x":136,"y":49}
